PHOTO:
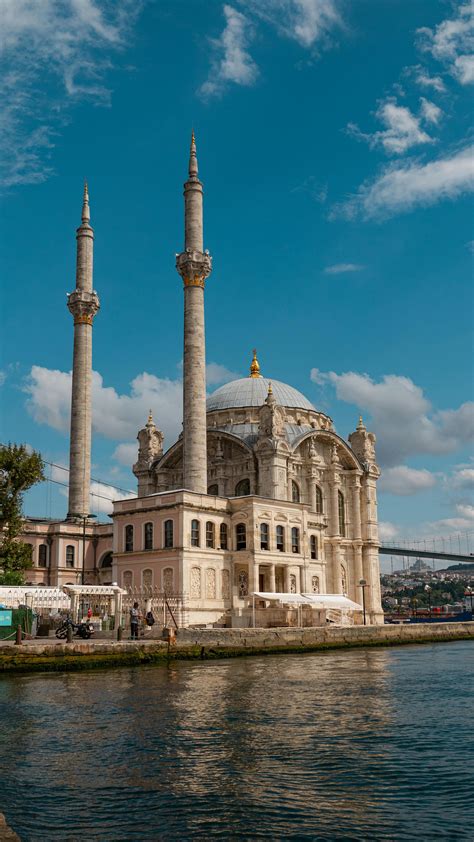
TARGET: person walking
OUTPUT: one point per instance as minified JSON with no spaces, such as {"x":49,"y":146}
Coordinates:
{"x":134,"y":620}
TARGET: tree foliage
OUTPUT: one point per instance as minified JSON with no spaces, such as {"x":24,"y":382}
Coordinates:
{"x":20,"y":469}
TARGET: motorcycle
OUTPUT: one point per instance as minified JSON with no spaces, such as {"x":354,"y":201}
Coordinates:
{"x":84,"y":630}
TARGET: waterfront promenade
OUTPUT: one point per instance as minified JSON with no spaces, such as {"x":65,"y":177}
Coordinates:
{"x":54,"y":655}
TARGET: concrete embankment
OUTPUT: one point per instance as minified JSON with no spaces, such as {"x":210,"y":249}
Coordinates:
{"x":47,"y":656}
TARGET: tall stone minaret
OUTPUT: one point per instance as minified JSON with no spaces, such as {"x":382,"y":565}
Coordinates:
{"x":194,"y":265}
{"x":83,"y":303}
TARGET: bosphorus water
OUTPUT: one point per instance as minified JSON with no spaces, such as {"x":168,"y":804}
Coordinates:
{"x":357,"y":744}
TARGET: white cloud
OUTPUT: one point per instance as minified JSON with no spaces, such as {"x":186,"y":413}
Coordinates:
{"x":430,"y":112}
{"x":126,"y":453}
{"x":3,"y":377}
{"x":387,"y":531}
{"x":402,"y":128}
{"x":114,"y":416}
{"x":402,"y":187}
{"x":309,"y":22}
{"x":463,"y":478}
{"x":64,"y":48}
{"x":341,"y":268}
{"x":101,"y":494}
{"x":401,"y":416}
{"x":452,"y":43}
{"x":216,"y":374}
{"x":426,"y":81}
{"x":405,"y":481}
{"x":231,"y":63}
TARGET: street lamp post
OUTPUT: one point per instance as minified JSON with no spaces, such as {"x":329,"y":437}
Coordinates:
{"x":428,"y":592}
{"x":363,"y":585}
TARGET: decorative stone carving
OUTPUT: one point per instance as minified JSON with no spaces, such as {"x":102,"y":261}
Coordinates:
{"x":150,"y":445}
{"x":315,"y":584}
{"x":147,"y":578}
{"x":271,"y":418}
{"x":343,"y":579}
{"x":127,"y":579}
{"x":210,"y":583}
{"x":194,"y":267}
{"x":195,"y":583}
{"x":83,"y":306}
{"x":363,"y":444}
{"x":225,"y":584}
{"x":292,"y":583}
{"x":168,"y":580}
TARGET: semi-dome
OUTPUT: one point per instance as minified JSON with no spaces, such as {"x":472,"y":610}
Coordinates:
{"x":252,"y":391}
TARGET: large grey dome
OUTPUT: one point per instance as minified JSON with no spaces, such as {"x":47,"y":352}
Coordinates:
{"x":252,"y":391}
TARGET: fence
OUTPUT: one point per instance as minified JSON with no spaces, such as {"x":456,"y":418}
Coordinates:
{"x":168,"y":609}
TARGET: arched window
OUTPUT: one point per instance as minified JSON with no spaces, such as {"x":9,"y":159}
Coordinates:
{"x":129,"y":538}
{"x":70,"y":552}
{"x":127,"y":578}
{"x":42,"y":555}
{"x":319,"y":501}
{"x":313,"y":541}
{"x":240,"y":536}
{"x":195,"y":533}
{"x":342,"y":513}
{"x":223,"y":536}
{"x":264,"y":537}
{"x":148,"y":536}
{"x":295,"y":492}
{"x":280,"y":539}
{"x":169,"y":537}
{"x":243,"y":583}
{"x":242,"y":488}
{"x":147,"y":578}
{"x":106,"y":561}
{"x":295,"y":539}
{"x":210,"y":534}
{"x":343,"y":579}
{"x":213,"y":489}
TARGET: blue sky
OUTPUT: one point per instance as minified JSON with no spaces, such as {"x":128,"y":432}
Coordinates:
{"x":334,"y":143}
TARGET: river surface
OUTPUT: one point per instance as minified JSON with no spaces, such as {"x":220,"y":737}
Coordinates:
{"x":366,"y":744}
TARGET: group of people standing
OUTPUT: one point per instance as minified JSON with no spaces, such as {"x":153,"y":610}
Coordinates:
{"x":135,"y":620}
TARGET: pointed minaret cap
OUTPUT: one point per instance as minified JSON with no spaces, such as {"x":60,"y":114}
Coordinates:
{"x":86,"y":214}
{"x":361,"y":425}
{"x":270,"y":399}
{"x":150,"y":422}
{"x":254,"y":366}
{"x":193,"y":164}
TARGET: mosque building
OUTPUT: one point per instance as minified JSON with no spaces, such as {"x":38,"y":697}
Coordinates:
{"x":258,"y":494}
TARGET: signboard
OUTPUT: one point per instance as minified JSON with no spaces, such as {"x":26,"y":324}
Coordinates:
{"x":5,"y":617}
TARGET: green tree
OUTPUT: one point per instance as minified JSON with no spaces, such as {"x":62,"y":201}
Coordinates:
{"x":19,"y":471}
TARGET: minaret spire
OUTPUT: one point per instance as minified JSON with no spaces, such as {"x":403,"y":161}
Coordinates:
{"x":83,"y":304}
{"x":194,"y":265}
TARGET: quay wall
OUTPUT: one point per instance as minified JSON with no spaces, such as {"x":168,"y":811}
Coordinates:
{"x":44,"y":655}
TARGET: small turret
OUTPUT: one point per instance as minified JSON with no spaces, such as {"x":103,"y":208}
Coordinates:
{"x":363,"y":443}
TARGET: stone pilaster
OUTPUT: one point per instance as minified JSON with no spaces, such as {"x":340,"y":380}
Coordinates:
{"x":83,"y":304}
{"x":194,"y":265}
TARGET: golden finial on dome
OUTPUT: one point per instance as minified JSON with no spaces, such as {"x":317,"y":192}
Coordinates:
{"x":255,"y":367}
{"x":270,"y":388}
{"x":150,"y":417}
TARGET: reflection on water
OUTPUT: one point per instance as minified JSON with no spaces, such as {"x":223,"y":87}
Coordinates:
{"x":374,"y":744}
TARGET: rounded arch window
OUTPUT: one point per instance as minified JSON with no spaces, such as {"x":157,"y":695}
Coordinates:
{"x":106,"y":561}
{"x":147,"y":578}
{"x":295,"y":539}
{"x":264,"y":536}
{"x":195,"y":533}
{"x":223,"y":536}
{"x":169,"y":534}
{"x":70,"y":553}
{"x":210,"y":533}
{"x":242,"y":489}
{"x":148,"y":536}
{"x":314,"y":546}
{"x":213,"y":489}
{"x":341,"y":513}
{"x":240,"y":536}
{"x":295,"y":492}
{"x":129,"y":538}
{"x":319,"y":501}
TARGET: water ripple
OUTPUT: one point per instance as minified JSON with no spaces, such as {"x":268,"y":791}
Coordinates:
{"x":374,"y":744}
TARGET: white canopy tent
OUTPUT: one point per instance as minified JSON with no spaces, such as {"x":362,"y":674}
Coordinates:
{"x":322,"y":601}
